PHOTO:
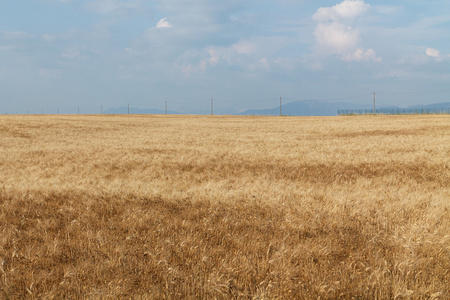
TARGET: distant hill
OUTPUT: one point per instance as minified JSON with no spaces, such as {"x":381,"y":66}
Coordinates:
{"x":432,"y":106}
{"x":296,"y":108}
{"x":321,"y":108}
{"x":305,"y":108}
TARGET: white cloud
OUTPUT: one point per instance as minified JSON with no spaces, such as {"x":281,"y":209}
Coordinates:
{"x":244,"y":47}
{"x":163,"y":23}
{"x":344,"y":10}
{"x":214,"y":57}
{"x":188,"y":68}
{"x":74,"y":53}
{"x":433,"y":52}
{"x":263,"y":61}
{"x":362,"y":55}
{"x":334,"y":35}
{"x":49,"y":37}
{"x":13,"y":35}
{"x":252,"y":55}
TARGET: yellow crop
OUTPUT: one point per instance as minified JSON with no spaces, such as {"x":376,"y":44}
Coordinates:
{"x":220,"y":207}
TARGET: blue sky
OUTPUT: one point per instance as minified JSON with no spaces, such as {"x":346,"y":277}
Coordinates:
{"x":65,"y":54}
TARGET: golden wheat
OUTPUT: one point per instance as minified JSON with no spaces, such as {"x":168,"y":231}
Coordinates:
{"x":219,"y":207}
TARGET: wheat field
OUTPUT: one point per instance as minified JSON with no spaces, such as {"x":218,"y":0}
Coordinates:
{"x":224,"y":207}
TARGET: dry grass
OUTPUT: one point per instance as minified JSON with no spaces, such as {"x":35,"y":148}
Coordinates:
{"x":173,"y":207}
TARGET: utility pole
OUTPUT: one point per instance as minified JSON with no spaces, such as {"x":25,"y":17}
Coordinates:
{"x":373,"y":102}
{"x":212,"y":100}
{"x":280,"y":106}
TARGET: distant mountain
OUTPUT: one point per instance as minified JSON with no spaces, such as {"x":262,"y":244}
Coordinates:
{"x":321,"y":108}
{"x":306,"y":108}
{"x":138,"y":111}
{"x":297,"y":108}
{"x":432,"y":106}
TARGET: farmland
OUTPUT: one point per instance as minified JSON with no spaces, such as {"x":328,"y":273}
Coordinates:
{"x":220,"y":207}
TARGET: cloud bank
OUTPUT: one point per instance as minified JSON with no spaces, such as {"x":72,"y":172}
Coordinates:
{"x":334,"y":35}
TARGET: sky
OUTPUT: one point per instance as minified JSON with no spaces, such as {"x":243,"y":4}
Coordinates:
{"x":90,"y":55}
